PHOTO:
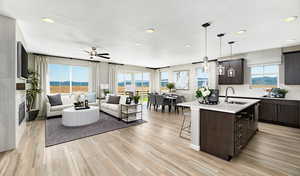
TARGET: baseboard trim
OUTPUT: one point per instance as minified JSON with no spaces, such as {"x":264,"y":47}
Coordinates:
{"x":195,"y":147}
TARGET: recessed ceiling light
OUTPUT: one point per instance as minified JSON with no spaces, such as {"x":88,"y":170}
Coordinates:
{"x":290,"y":40}
{"x":241,"y":31}
{"x":137,"y":44}
{"x":47,"y":20}
{"x":290,"y":19}
{"x":150,"y":30}
{"x":187,"y":45}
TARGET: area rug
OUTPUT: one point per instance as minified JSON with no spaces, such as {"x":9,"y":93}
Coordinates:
{"x":56,"y":133}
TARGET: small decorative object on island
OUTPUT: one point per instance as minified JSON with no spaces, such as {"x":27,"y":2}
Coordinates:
{"x":170,"y":86}
{"x":136,"y":99}
{"x":202,"y":94}
{"x":279,"y":93}
{"x":31,"y":93}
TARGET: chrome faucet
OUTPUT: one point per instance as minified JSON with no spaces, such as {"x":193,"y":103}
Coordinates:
{"x":226,"y":93}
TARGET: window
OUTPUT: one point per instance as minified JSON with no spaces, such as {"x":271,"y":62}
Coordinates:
{"x":181,"y":79}
{"x":264,"y":76}
{"x":202,"y":77}
{"x":138,"y":82}
{"x":142,"y":85}
{"x":164,"y":79}
{"x":68,"y":79}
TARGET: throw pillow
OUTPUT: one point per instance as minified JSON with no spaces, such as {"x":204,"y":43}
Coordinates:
{"x":91,"y":97}
{"x":113,"y":100}
{"x":54,"y":100}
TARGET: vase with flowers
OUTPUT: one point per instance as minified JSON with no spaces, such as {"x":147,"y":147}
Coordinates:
{"x":202,"y":95}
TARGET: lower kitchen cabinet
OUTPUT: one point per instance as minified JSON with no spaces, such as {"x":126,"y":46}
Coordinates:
{"x":267,"y":112}
{"x":283,"y":112}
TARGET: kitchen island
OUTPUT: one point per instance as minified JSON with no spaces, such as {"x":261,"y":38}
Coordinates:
{"x":223,"y":129}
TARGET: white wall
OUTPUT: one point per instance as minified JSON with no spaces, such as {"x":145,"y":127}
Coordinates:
{"x":7,"y":83}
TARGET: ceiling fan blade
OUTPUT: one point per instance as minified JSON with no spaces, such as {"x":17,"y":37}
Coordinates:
{"x":104,"y":57}
{"x":86,"y":51}
{"x":103,"y":54}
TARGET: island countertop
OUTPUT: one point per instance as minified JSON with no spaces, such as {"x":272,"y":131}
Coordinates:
{"x":222,"y":106}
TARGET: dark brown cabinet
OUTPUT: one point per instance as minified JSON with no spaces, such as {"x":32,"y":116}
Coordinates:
{"x":224,"y":134}
{"x":238,"y":66}
{"x":281,"y":112}
{"x":267,"y":111}
{"x":292,"y":68}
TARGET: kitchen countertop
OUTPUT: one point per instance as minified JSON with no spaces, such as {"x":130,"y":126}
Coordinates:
{"x":222,"y":106}
{"x":261,"y":97}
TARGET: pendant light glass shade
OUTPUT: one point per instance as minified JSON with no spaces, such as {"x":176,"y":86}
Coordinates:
{"x":231,"y":70}
{"x":220,"y":67}
{"x":205,"y":62}
{"x":205,"y":58}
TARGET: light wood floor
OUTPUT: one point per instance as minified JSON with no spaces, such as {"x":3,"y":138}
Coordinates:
{"x":153,"y":149}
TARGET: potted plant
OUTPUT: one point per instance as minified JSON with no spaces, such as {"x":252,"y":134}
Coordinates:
{"x":202,"y":94}
{"x":170,"y":86}
{"x":106,"y":91}
{"x":282,"y":92}
{"x":136,"y":99}
{"x":31,"y":94}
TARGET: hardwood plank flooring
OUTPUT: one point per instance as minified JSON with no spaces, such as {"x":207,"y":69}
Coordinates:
{"x":151,"y":149}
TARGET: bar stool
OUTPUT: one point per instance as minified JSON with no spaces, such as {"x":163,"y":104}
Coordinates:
{"x":186,"y":123}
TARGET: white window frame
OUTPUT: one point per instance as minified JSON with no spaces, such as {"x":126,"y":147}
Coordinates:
{"x":70,"y":76}
{"x":132,"y":73}
{"x":264,"y":86}
{"x":197,"y":76}
{"x":160,"y":81}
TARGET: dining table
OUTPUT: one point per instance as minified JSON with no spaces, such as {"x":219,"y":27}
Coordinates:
{"x":171,"y":99}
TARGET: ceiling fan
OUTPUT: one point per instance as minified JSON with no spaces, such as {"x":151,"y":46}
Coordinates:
{"x":93,"y":53}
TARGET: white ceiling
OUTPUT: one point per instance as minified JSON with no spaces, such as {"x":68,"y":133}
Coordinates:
{"x":118,"y":25}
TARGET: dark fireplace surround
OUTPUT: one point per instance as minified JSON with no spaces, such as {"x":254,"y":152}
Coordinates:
{"x":22,"y":112}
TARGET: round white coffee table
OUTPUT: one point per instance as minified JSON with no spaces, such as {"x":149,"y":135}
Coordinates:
{"x":72,"y":117}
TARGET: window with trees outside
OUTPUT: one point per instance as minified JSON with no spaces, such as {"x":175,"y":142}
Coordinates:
{"x":164,"y":79}
{"x":265,"y":76}
{"x":68,"y":78}
{"x":202,"y":77}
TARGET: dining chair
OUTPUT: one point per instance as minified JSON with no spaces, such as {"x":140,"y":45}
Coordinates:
{"x":179,"y":99}
{"x":152,"y":99}
{"x":161,"y":101}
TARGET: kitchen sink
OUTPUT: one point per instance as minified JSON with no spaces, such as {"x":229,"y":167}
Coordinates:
{"x":237,"y":102}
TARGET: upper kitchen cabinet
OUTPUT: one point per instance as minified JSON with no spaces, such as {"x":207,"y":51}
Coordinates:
{"x":292,"y":68}
{"x":238,"y":67}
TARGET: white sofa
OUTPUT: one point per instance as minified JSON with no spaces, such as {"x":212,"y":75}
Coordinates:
{"x":68,"y":100}
{"x":113,"y":109}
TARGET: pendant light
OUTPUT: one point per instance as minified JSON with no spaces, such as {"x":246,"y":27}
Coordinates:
{"x":231,"y":71}
{"x":220,"y":67}
{"x":205,"y":59}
